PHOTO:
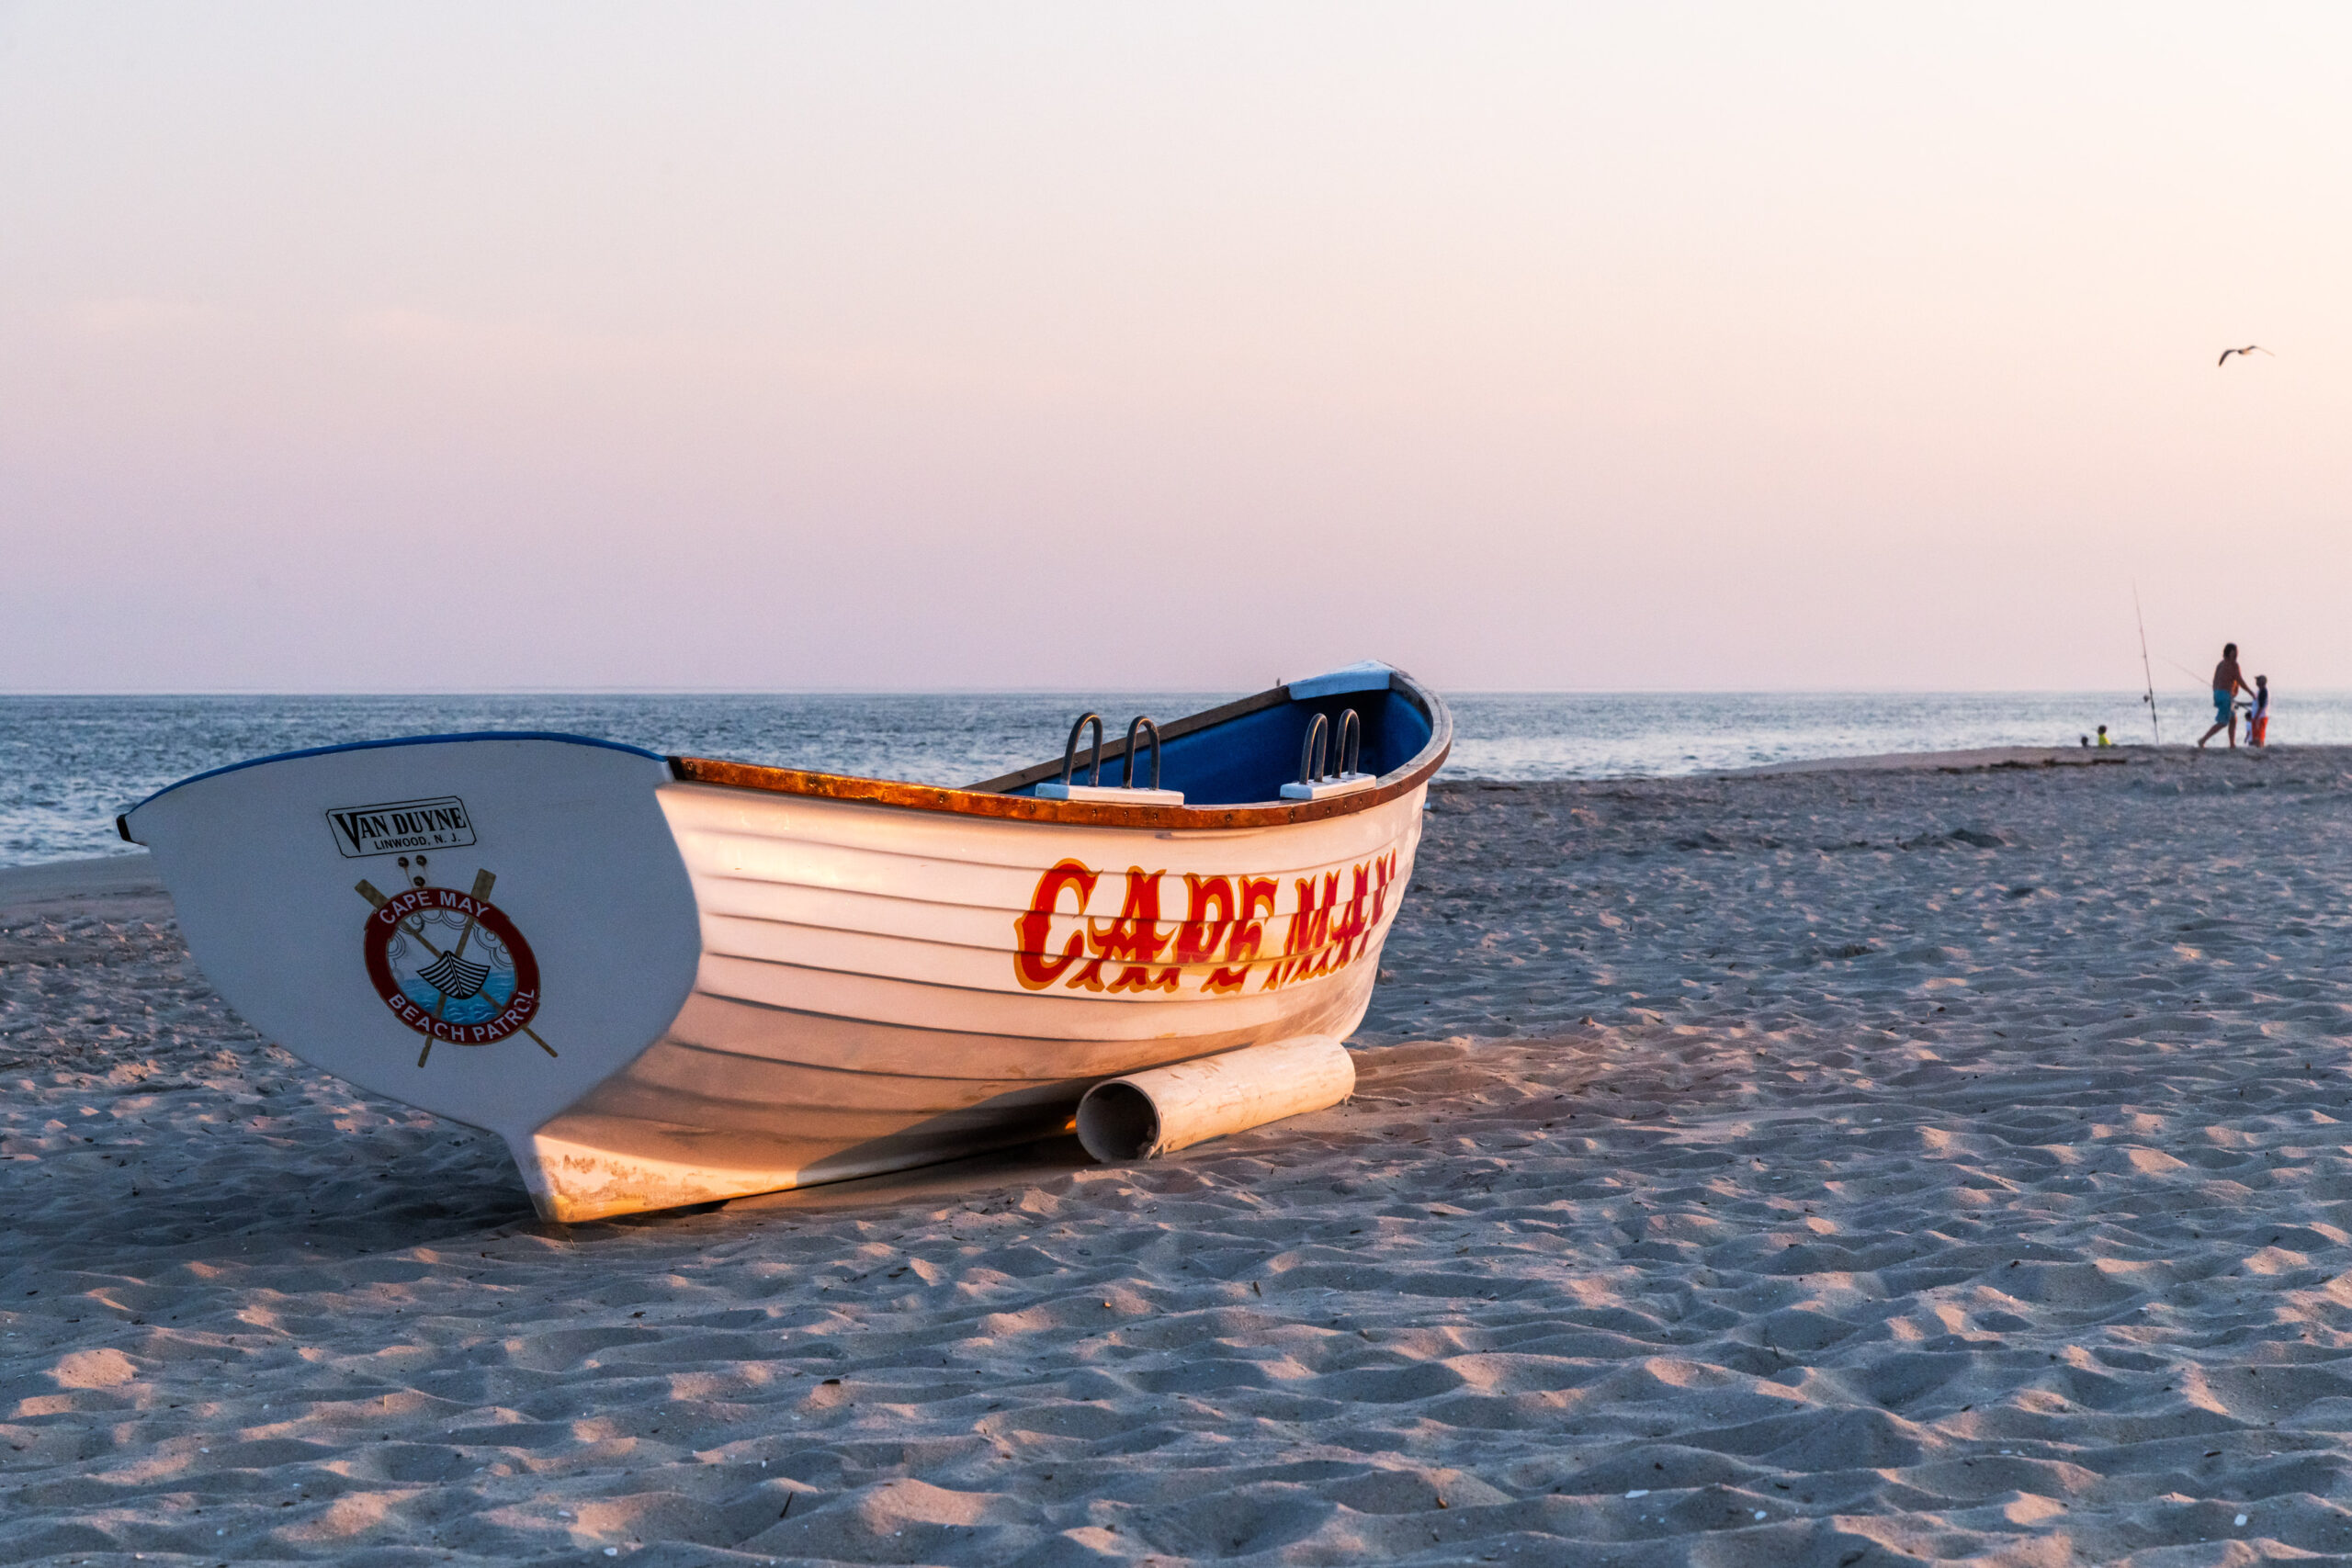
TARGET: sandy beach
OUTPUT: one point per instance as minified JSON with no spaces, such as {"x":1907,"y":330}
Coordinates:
{"x":1937,"y":1160}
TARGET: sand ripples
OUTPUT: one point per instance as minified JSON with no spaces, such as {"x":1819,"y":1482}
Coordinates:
{"x":1809,"y":1195}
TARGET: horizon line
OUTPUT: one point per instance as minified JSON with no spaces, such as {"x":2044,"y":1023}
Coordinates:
{"x":2135,"y":693}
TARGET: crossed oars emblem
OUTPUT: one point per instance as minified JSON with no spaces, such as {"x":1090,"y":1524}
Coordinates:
{"x":450,"y":966}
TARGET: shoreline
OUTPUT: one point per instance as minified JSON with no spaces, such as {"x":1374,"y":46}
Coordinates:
{"x":1985,"y":758}
{"x":111,"y":873}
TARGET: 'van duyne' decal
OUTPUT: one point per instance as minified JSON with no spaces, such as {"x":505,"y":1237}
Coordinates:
{"x":400,"y":826}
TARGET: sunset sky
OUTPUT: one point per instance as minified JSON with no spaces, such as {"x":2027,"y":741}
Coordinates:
{"x":417,"y":347}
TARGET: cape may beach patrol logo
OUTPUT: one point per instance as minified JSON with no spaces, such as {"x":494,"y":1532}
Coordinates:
{"x":451,"y":965}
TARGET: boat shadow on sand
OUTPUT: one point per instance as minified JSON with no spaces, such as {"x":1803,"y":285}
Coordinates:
{"x":372,"y":1192}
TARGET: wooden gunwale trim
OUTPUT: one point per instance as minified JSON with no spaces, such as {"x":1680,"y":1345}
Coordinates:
{"x":1094,"y":812}
{"x":1029,"y":808}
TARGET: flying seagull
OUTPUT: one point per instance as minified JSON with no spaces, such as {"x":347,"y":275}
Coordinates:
{"x":2250,"y":348}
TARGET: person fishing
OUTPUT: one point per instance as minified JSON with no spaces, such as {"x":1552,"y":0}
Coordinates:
{"x":2227,"y":683}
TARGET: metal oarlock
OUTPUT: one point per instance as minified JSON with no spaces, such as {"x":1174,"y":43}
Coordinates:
{"x":1070,"y":753}
{"x":1132,"y":792}
{"x":1329,"y":760}
{"x":1313,"y":751}
{"x":1145,"y":724}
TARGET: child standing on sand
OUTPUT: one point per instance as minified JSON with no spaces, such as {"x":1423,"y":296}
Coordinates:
{"x":2257,"y":719}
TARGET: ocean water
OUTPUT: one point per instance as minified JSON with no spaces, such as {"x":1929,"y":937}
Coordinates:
{"x":68,"y":764}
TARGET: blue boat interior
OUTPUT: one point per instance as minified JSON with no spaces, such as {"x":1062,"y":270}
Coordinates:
{"x":1246,"y":760}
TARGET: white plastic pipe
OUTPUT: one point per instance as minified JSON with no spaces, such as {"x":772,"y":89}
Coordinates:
{"x":1164,"y":1109}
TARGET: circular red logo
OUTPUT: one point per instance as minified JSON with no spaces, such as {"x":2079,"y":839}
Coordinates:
{"x":452,"y":967}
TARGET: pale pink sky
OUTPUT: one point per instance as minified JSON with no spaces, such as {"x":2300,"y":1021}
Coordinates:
{"x":1707,"y":347}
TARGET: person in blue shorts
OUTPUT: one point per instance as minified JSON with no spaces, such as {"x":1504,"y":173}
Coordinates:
{"x":2227,"y":683}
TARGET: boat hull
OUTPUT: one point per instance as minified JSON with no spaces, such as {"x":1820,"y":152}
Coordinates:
{"x":588,"y":900}
{"x":880,"y":989}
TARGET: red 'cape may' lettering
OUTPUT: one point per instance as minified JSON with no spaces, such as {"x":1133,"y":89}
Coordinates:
{"x":1248,"y":935}
{"x":1209,"y":915}
{"x":1133,"y":940}
{"x":1324,"y":933}
{"x":1033,"y":965}
{"x":1310,"y":928}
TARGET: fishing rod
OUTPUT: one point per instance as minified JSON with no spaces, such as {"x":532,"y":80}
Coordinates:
{"x":2146,"y":674}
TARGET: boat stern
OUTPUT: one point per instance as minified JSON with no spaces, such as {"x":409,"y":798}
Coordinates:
{"x":484,"y":927}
